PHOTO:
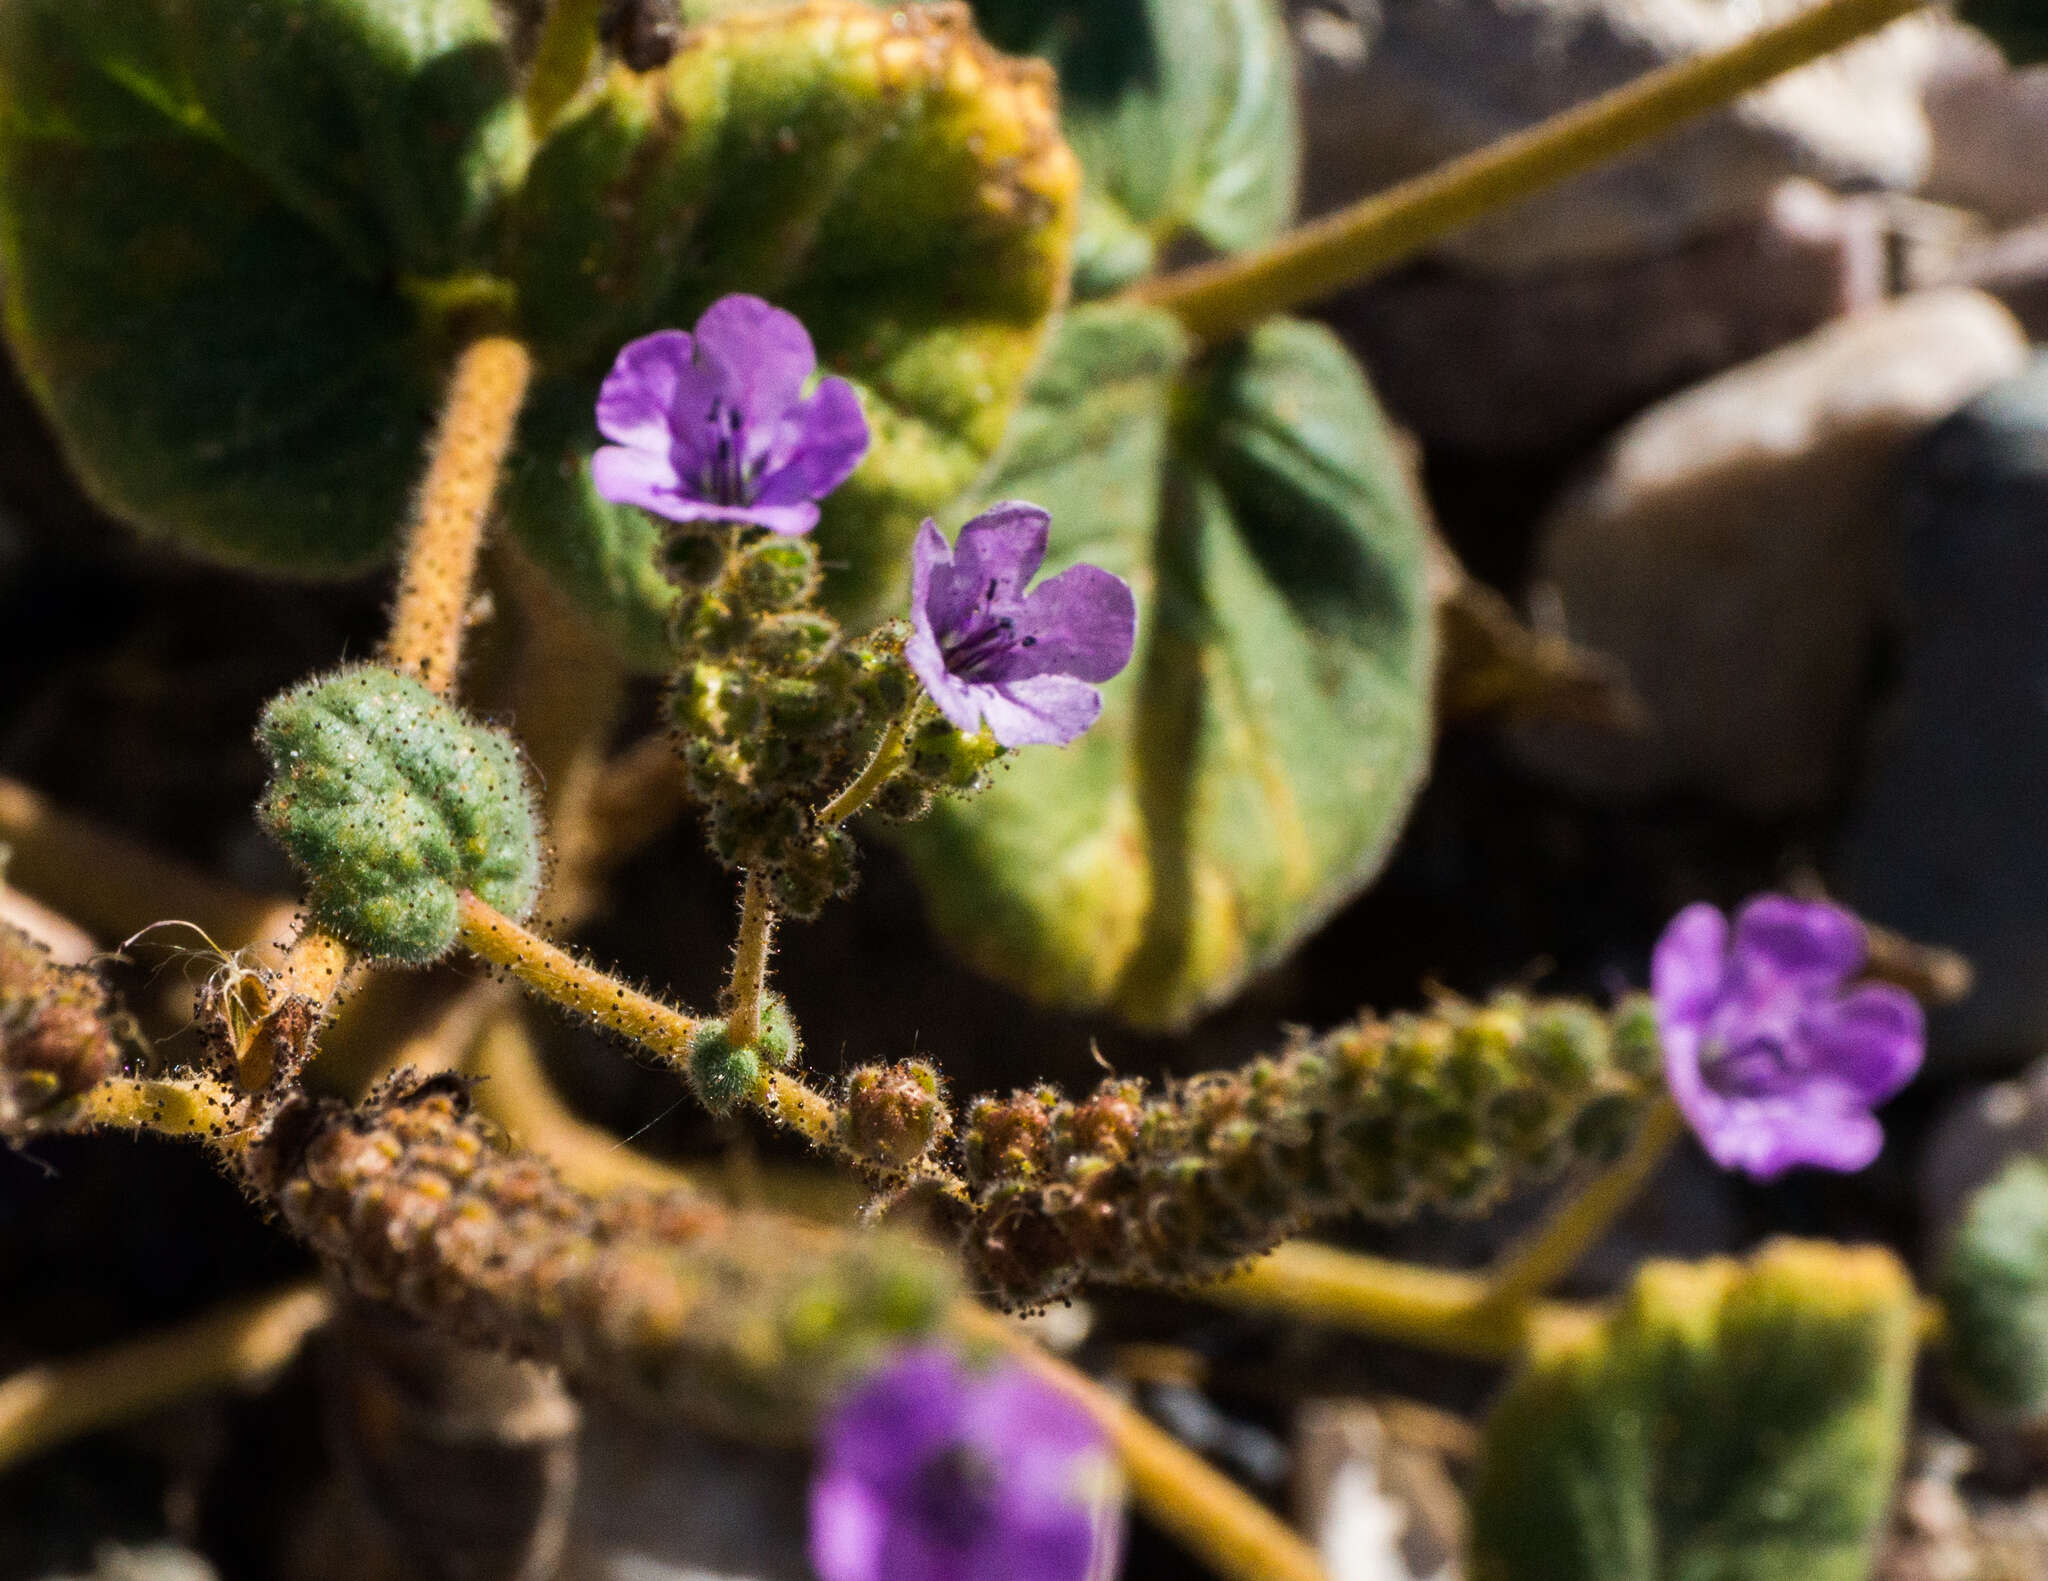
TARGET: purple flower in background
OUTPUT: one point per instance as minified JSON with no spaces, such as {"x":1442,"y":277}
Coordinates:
{"x":931,"y":1471}
{"x":715,"y":426}
{"x":1772,"y":1060}
{"x":987,"y":650}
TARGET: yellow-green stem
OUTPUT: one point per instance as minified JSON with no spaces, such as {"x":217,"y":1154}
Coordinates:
{"x":468,"y":452}
{"x":749,"y":978}
{"x":1554,"y":1248}
{"x":1433,"y":1308}
{"x":183,"y":1106}
{"x":1224,"y":298}
{"x":1212,"y":1517}
{"x":561,"y":60}
{"x":554,"y":974}
{"x":887,"y":756}
{"x":45,"y":1406}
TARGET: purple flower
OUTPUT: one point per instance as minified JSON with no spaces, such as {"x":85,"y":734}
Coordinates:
{"x":987,"y":650}
{"x":715,"y":426}
{"x":1772,"y":1060}
{"x":933,"y":1472}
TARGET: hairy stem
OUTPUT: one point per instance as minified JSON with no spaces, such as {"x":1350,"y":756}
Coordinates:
{"x":1434,"y":1308}
{"x":561,"y":60}
{"x":1556,"y":1246}
{"x":301,"y":996}
{"x":1215,"y":1519}
{"x":1220,"y":299}
{"x":197,"y":1107}
{"x":484,"y":397}
{"x":554,"y":974}
{"x":887,"y":757}
{"x":749,"y":979}
{"x":45,"y":1406}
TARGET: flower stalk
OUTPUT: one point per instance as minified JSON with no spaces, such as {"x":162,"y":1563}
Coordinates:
{"x":468,"y":452}
{"x":887,"y":758}
{"x":1554,"y":1248}
{"x":749,"y":979}
{"x":1221,"y":299}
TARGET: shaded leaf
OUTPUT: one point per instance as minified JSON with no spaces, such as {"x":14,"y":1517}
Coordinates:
{"x":1730,"y":1422}
{"x":1252,"y":766}
{"x":1183,"y":113}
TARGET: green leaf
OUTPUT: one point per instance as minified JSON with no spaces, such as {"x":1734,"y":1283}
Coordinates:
{"x":1183,"y":114}
{"x":392,"y":802}
{"x":239,"y":235}
{"x":1730,"y":1422}
{"x":881,"y":174}
{"x":1994,"y":1290}
{"x":205,"y":206}
{"x":1251,"y":768}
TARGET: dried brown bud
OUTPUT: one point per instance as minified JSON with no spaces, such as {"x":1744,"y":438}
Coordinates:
{"x":1010,"y":1138}
{"x":893,"y":1115}
{"x":56,"y":1030}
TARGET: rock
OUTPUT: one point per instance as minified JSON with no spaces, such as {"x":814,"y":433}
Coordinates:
{"x":1988,"y":123}
{"x":1732,"y":545}
{"x":1492,"y":365}
{"x":2014,"y":268}
{"x":1393,"y":87}
{"x":1377,"y":1505}
{"x":1944,"y":843}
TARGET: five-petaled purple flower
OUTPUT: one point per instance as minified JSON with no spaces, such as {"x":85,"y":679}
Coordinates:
{"x":715,"y":426}
{"x":1771,"y":1059}
{"x":931,"y":1471}
{"x":987,"y":650}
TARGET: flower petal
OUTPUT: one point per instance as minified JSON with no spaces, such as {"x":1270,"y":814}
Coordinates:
{"x":1012,"y":1416}
{"x":1766,"y":1137}
{"x":897,"y":1419}
{"x":849,"y":1523}
{"x":818,"y":444}
{"x":1688,"y":967}
{"x":636,"y":402}
{"x":1083,"y":623}
{"x":1045,"y":1544}
{"x":1809,"y":942}
{"x":762,"y":355}
{"x":995,"y":555}
{"x":1872,"y":1039}
{"x":1046,"y":710}
{"x":638,"y":477}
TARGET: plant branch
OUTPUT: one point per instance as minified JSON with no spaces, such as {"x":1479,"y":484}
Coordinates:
{"x":1436,"y":1309}
{"x":1224,"y":298}
{"x":888,"y":755}
{"x":749,"y":979}
{"x":1215,"y":1519}
{"x":45,"y":1406}
{"x":1556,"y":1246}
{"x":484,"y":397}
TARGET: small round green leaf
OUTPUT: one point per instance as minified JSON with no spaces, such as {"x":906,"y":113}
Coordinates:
{"x":1728,"y":1421}
{"x":1994,"y":1289}
{"x":392,"y":802}
{"x":1251,"y":768}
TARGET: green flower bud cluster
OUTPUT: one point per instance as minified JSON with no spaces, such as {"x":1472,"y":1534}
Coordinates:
{"x":57,"y":1037}
{"x":776,"y":710}
{"x":1994,"y":1290}
{"x":1448,"y":1110}
{"x":669,"y":1302}
{"x":393,"y":801}
{"x":724,"y":1074}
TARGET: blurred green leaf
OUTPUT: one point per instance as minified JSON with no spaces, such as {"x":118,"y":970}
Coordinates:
{"x":1730,"y":1422}
{"x":1183,"y":114}
{"x":239,"y":236}
{"x":883,"y":176}
{"x":1994,"y":1291}
{"x":1252,"y":766}
{"x":205,"y":211}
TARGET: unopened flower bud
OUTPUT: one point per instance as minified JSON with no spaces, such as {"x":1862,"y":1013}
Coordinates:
{"x":893,"y":1114}
{"x":723,"y":1074}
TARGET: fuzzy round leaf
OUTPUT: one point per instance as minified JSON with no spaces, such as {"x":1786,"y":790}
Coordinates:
{"x":881,"y":174}
{"x":209,"y":211}
{"x":392,"y":802}
{"x":1729,"y":1420}
{"x":1182,"y":112}
{"x":1994,"y":1289}
{"x":1250,"y":769}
